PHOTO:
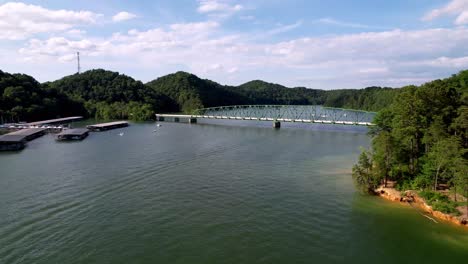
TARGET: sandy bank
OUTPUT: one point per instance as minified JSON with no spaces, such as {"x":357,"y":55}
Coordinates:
{"x":412,"y":198}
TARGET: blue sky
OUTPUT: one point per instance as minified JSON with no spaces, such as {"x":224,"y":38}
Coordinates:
{"x":316,"y":44}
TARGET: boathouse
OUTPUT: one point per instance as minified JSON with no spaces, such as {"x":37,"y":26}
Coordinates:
{"x":17,"y":140}
{"x":107,"y":126}
{"x":73,"y":134}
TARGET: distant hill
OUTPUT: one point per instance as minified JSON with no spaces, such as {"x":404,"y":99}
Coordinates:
{"x":22,"y":98}
{"x":260,"y":92}
{"x":108,"y":95}
{"x":190,"y":92}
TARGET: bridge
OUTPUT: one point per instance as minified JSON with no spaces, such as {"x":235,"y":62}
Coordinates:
{"x":277,"y":114}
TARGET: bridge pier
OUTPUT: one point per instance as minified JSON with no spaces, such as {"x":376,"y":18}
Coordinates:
{"x":176,"y":119}
{"x":276,"y":124}
{"x":160,"y":118}
{"x":192,"y":120}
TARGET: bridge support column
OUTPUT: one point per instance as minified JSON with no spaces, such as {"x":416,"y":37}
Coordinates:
{"x":192,"y":120}
{"x":176,"y":119}
{"x":161,"y":118}
{"x":276,"y":124}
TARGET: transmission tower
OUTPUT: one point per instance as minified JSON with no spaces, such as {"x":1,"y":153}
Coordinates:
{"x":78,"y":61}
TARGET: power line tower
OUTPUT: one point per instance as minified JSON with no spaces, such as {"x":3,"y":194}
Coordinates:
{"x":78,"y":61}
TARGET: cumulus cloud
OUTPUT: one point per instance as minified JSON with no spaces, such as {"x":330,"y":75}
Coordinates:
{"x":123,"y":16}
{"x":208,"y":6}
{"x":218,"y":8}
{"x":19,"y":20}
{"x":372,"y":58}
{"x":458,"y":8}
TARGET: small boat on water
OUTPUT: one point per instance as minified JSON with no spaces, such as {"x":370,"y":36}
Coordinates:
{"x":121,"y":133}
{"x":158,"y":125}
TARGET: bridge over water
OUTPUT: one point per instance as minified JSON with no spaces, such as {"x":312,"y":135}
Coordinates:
{"x":277,"y":114}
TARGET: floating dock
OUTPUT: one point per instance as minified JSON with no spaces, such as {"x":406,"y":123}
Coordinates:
{"x":55,"y":121}
{"x":17,"y":140}
{"x":73,"y":134}
{"x":107,"y":126}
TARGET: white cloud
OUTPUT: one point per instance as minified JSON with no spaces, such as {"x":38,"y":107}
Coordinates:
{"x":76,"y":33}
{"x":19,"y":20}
{"x":218,"y":9}
{"x":395,"y":57}
{"x":331,"y":21}
{"x":462,"y":19}
{"x":284,"y":28}
{"x":233,"y":70}
{"x":209,"y":6}
{"x":374,"y":70}
{"x":123,"y":16}
{"x":457,"y":8}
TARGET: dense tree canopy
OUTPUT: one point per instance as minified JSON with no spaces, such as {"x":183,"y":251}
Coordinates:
{"x":110,"y":95}
{"x":420,"y":140}
{"x":23,"y":99}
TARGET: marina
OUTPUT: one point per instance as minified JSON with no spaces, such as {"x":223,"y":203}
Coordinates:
{"x":20,"y":133}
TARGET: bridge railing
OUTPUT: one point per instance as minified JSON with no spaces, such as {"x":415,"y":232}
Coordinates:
{"x":310,"y":113}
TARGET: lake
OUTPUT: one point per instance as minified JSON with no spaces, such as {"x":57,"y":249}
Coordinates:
{"x":208,"y":193}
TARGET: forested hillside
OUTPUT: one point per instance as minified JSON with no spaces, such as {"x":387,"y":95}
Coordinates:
{"x":260,"y":92}
{"x":23,"y":98}
{"x":190,"y":92}
{"x":110,"y":95}
{"x":421,"y":141}
{"x":370,"y":99}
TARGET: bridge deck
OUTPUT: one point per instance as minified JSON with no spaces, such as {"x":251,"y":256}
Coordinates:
{"x":317,"y":121}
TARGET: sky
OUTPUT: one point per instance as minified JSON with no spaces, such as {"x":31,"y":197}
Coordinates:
{"x":309,"y":43}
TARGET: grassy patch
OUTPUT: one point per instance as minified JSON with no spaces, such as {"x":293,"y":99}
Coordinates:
{"x":440,"y":202}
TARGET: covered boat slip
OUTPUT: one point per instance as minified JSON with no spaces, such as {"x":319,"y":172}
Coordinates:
{"x":73,"y":134}
{"x":55,"y":121}
{"x":107,"y":126}
{"x":17,"y":140}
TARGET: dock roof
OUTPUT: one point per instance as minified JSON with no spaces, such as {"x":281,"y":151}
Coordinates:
{"x":58,"y":120}
{"x":74,"y":131}
{"x":20,"y":135}
{"x":109,"y":124}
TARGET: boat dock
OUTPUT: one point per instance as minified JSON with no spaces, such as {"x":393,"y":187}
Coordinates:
{"x":73,"y":134}
{"x":107,"y":126}
{"x":17,"y":140}
{"x":55,"y":121}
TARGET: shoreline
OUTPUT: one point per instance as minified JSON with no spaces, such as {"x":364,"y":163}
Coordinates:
{"x":413,"y":199}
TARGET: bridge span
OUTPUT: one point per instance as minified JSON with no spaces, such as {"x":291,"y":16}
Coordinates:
{"x":277,"y":114}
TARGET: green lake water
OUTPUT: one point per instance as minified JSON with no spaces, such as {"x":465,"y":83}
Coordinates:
{"x":207,"y":193}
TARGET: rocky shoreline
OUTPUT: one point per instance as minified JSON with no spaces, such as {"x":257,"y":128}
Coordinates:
{"x":412,"y":198}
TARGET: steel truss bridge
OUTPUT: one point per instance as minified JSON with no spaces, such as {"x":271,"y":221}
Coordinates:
{"x":277,"y":114}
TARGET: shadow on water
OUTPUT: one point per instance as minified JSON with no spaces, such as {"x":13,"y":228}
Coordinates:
{"x":389,"y":232}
